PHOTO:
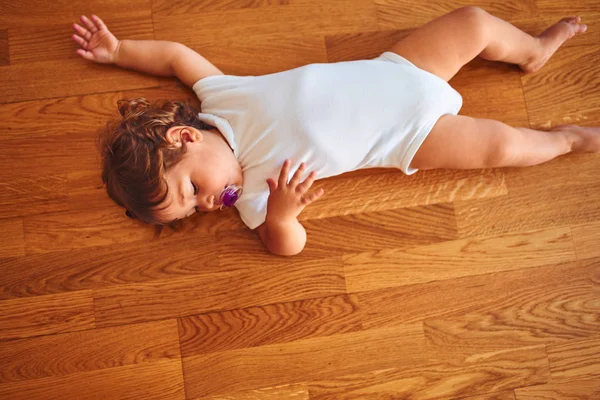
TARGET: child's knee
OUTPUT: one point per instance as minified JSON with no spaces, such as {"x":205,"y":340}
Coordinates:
{"x":476,"y":18}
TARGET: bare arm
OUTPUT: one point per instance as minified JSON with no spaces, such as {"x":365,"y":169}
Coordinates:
{"x":162,"y":58}
{"x":154,"y":57}
{"x":281,"y":233}
{"x":285,"y":238}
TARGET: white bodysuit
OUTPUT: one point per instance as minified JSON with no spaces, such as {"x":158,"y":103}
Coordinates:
{"x":334,"y":117}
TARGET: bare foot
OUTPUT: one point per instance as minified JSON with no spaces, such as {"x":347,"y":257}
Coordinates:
{"x":583,"y":139}
{"x":551,"y":39}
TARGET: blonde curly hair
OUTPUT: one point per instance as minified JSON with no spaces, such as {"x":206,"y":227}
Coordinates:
{"x":136,"y":154}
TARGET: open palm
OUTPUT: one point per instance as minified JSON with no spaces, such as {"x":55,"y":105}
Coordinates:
{"x":97,"y":42}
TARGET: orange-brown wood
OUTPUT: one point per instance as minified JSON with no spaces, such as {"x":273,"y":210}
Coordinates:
{"x":472,"y":285}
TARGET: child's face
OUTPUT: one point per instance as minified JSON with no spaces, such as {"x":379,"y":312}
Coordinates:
{"x":196,"y":182}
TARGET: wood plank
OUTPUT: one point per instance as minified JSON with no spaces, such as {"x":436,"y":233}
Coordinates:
{"x":479,"y":294}
{"x":249,"y":55}
{"x":68,"y":78}
{"x":391,"y":14}
{"x":564,"y":314}
{"x":38,"y":12}
{"x":81,"y":229}
{"x":362,"y":45}
{"x":51,"y":41}
{"x":482,"y":374}
{"x":4,"y":49}
{"x":585,"y":237}
{"x":104,"y":266}
{"x":220,"y":291}
{"x":303,"y":360}
{"x":530,"y":208}
{"x":505,"y":395}
{"x":292,"y":392}
{"x":376,"y":192}
{"x":401,"y":228}
{"x":270,"y":324}
{"x":367,"y":231}
{"x":471,"y":256}
{"x":573,"y":390}
{"x":149,"y":381}
{"x":28,"y":196}
{"x":492,"y":90}
{"x":311,"y":17}
{"x":559,"y":93}
{"x":575,"y":359}
{"x":165,"y":7}
{"x":56,"y":355}
{"x":45,"y":315}
{"x":575,"y":6}
{"x":12,"y":243}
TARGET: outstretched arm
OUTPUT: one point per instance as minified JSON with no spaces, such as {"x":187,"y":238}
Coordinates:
{"x":154,"y":57}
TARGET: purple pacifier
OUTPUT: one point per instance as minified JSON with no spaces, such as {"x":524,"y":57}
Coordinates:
{"x":229,"y":196}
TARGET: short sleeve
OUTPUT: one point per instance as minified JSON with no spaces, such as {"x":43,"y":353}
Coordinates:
{"x":253,"y":208}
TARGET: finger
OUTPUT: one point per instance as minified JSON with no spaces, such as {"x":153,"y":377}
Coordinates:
{"x":306,"y":200}
{"x":272,"y":185}
{"x":86,"y":54}
{"x":88,"y":24}
{"x":80,"y":41}
{"x":304,"y":186}
{"x":82,"y":32}
{"x":283,"y":175}
{"x":296,"y":178}
{"x":99,"y":23}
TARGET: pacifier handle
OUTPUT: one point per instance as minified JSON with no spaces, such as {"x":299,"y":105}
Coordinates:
{"x":230,"y":195}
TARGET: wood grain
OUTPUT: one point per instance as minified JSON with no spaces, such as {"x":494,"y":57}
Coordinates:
{"x":270,"y":324}
{"x":90,"y":350}
{"x":518,"y":289}
{"x":4,"y":50}
{"x":303,"y":360}
{"x":457,"y":258}
{"x":372,"y":192}
{"x":575,"y":359}
{"x":482,"y":374}
{"x":105,"y":266}
{"x":292,"y":392}
{"x":45,"y":315}
{"x":35,"y":195}
{"x":153,"y":381}
{"x":567,"y":75}
{"x":481,"y":284}
{"x":505,"y":395}
{"x":527,"y":209}
{"x":53,"y":41}
{"x":393,"y":13}
{"x":574,"y":390}
{"x":12,"y":243}
{"x":165,"y":7}
{"x":585,"y":237}
{"x":219,"y":291}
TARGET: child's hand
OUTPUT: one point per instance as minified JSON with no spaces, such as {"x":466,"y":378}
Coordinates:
{"x":97,"y":42}
{"x":287,"y":200}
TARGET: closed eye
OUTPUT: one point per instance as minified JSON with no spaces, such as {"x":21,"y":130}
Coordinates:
{"x":195,"y":189}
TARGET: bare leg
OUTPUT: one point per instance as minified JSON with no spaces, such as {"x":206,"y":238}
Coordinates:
{"x":460,"y":142}
{"x":447,"y":43}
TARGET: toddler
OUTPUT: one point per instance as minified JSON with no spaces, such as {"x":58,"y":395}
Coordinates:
{"x":166,"y":161}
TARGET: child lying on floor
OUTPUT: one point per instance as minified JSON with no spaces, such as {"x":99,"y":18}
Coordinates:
{"x":166,"y":161}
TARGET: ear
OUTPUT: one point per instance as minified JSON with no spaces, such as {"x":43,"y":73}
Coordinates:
{"x":176,"y":134}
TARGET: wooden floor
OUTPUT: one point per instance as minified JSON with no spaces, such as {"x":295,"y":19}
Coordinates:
{"x":477,"y":284}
